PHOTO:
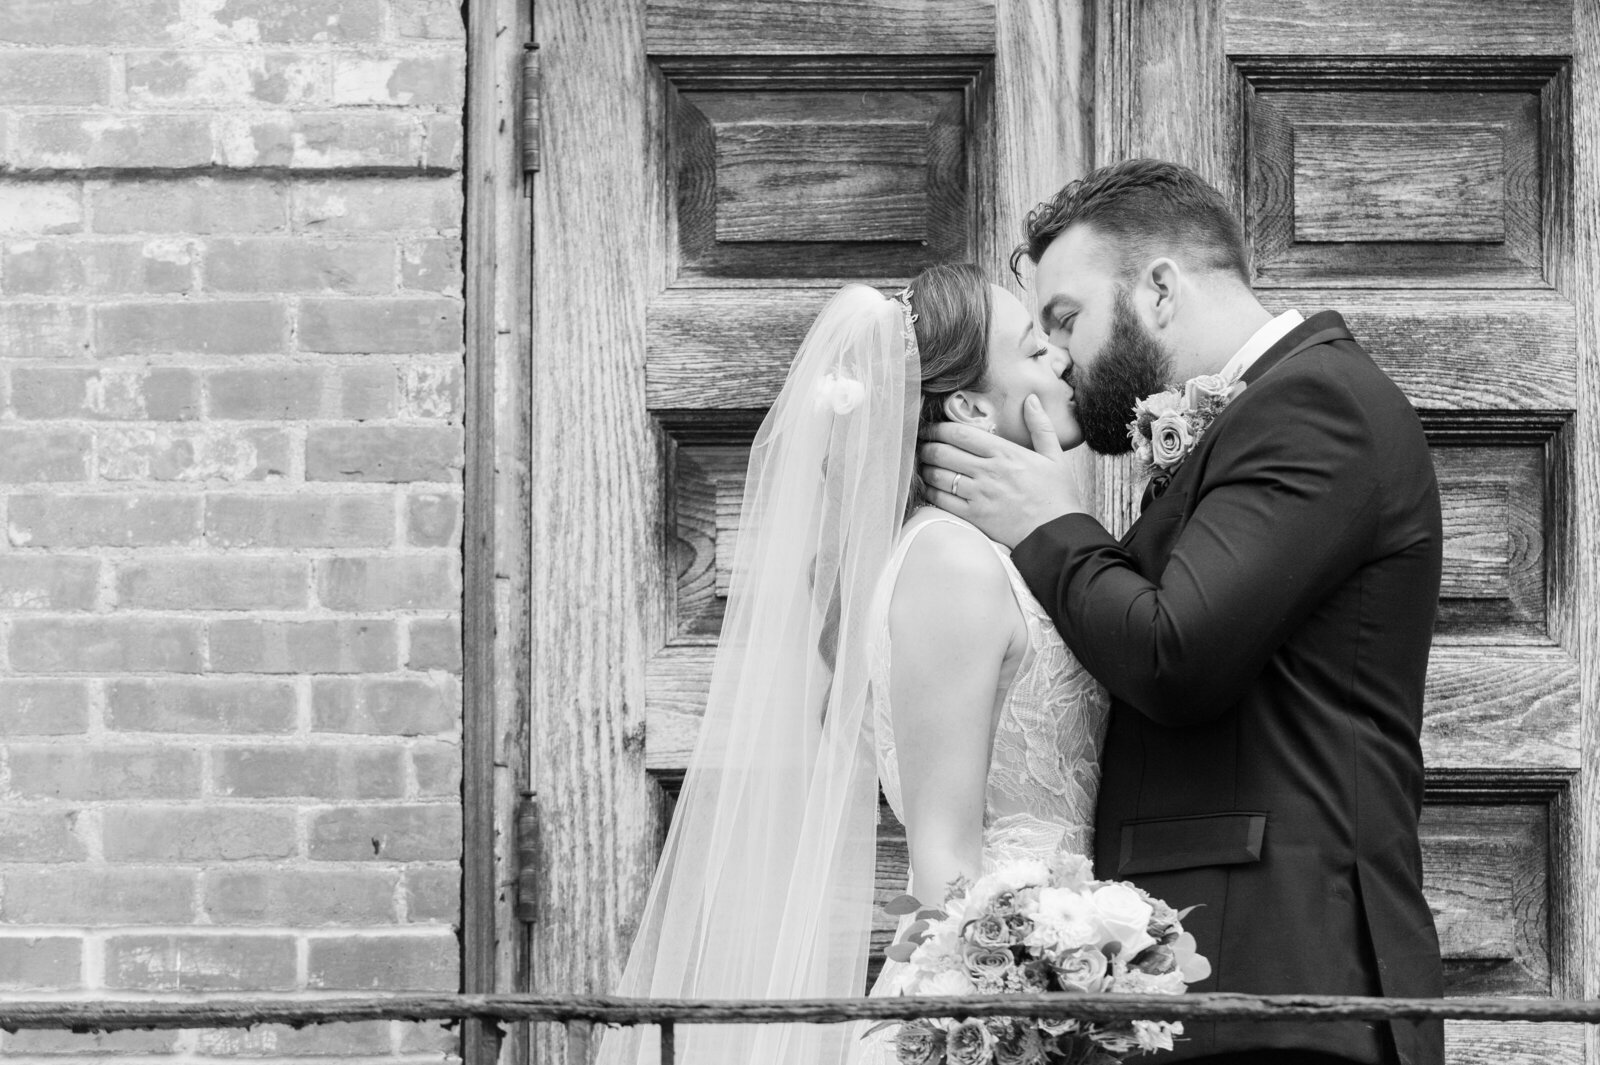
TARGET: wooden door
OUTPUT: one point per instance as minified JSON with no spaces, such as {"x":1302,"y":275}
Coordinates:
{"x":712,"y":172}
{"x":1428,"y":169}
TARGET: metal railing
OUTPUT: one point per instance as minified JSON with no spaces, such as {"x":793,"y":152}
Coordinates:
{"x":572,"y":1010}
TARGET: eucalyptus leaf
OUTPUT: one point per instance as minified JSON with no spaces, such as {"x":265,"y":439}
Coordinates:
{"x":901,"y":905}
{"x":931,"y":914}
{"x":880,"y":1026}
{"x":901,"y":952}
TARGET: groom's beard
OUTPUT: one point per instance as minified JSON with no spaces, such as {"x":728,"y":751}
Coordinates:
{"x":1131,"y":365}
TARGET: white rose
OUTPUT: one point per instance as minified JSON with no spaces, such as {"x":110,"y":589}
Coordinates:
{"x":1212,"y":386}
{"x":1083,"y":970}
{"x":1124,"y":916}
{"x":946,"y":982}
{"x":1170,"y":439}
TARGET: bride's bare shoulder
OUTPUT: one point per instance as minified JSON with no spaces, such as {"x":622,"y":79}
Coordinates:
{"x":951,"y":573}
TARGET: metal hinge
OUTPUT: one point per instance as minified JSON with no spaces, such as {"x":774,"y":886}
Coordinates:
{"x":527,"y":906}
{"x":532,"y":90}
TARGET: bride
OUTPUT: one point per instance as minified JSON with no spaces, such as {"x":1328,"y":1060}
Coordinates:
{"x":869,"y":638}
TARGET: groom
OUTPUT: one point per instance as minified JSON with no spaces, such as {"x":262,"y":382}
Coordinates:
{"x":1264,"y":626}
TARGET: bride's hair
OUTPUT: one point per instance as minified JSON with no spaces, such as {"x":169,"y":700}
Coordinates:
{"x":951,"y":302}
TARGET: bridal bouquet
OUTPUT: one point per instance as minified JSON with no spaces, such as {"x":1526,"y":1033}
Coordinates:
{"x":1030,"y":927}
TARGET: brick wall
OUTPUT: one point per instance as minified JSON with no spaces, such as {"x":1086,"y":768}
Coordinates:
{"x":230,"y":469}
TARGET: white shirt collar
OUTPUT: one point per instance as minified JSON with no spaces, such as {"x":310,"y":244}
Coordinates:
{"x":1261,"y":342}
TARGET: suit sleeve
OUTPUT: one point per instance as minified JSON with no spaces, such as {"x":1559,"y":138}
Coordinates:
{"x":1285,"y":512}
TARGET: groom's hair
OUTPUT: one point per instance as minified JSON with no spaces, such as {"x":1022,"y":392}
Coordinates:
{"x":1144,"y":208}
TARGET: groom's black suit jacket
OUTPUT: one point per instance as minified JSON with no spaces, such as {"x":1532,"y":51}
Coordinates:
{"x":1264,"y":630}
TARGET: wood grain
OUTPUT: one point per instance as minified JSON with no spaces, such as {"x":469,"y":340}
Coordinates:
{"x":874,"y":27}
{"x":1417,"y":27}
{"x":1501,"y":708}
{"x":1442,"y":182}
{"x":797,"y":179}
{"x":598,"y":547}
{"x":1504,"y":1042}
{"x":1494,"y":506}
{"x":817,"y":181}
{"x":1364,"y":190}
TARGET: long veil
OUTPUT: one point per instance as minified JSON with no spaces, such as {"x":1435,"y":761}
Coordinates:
{"x":764,"y":889}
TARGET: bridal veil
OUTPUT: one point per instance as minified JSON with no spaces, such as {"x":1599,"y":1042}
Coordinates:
{"x":765,"y":885}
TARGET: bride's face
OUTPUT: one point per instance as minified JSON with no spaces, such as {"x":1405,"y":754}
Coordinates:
{"x":1021,"y":363}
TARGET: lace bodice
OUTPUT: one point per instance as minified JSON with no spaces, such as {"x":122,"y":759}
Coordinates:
{"x":1044,"y":764}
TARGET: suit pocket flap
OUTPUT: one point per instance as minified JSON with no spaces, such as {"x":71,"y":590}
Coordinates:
{"x":1161,"y":844}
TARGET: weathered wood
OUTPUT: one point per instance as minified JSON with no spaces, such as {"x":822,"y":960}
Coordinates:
{"x":1496,"y":707}
{"x":1371,"y":182}
{"x":1503,"y":1042}
{"x":907,"y":27}
{"x":819,"y":181}
{"x":1383,"y":172}
{"x":1417,"y":27}
{"x":1493,"y":500}
{"x":598,"y":551}
{"x":580,"y":1010}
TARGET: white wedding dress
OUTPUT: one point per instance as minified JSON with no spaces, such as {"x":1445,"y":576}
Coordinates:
{"x":1044,"y":766}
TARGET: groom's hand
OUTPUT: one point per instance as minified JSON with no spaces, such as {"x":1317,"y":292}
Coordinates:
{"x":1006,"y":490}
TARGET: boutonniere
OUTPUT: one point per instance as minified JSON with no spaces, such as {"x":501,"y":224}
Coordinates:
{"x":1167,"y":426}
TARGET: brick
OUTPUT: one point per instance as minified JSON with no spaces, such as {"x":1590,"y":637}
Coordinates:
{"x":38,"y":207}
{"x":432,"y":894}
{"x":300,"y":265}
{"x":48,"y":582}
{"x":436,"y":81}
{"x":225,"y":79}
{"x":388,"y":963}
{"x":83,"y":22}
{"x":404,"y":325}
{"x":437,"y":768}
{"x":59,"y":1044}
{"x":254,"y":646}
{"x":43,"y":707}
{"x":401,"y":833}
{"x":79,"y":520}
{"x":278,"y":393}
{"x":384,"y":453}
{"x":33,"y":835}
{"x":301,"y":21}
{"x":41,"y":268}
{"x":299,"y":520}
{"x":320,"y":141}
{"x":218,"y":327}
{"x":377,"y":205}
{"x":58,"y":771}
{"x":432,"y":265}
{"x":442,"y":144}
{"x":40,"y":963}
{"x":345,"y":1039}
{"x":200,"y":962}
{"x":427,"y":19}
{"x":433,"y":519}
{"x":390,"y":582}
{"x":302,"y":898}
{"x":207,"y":453}
{"x":123,"y":394}
{"x":187,"y":834}
{"x":84,"y":895}
{"x":44,"y":330}
{"x":157,"y":266}
{"x":390,"y":706}
{"x":433,"y":391}
{"x":200,"y":704}
{"x":105,"y":645}
{"x":434,"y":643}
{"x":53,"y":78}
{"x":190,"y":206}
{"x":368,"y":391}
{"x":228,"y":583}
{"x":40,"y":454}
{"x":321,"y":772}
{"x":88,"y":139}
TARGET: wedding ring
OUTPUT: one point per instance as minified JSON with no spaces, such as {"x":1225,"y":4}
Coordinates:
{"x":955,"y":484}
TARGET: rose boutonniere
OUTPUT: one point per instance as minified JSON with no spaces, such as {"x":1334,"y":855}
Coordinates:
{"x":1167,"y":426}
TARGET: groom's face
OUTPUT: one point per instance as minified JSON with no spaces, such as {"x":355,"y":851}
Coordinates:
{"x":1114,"y":359}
